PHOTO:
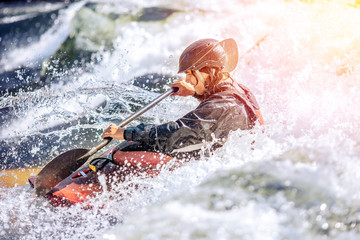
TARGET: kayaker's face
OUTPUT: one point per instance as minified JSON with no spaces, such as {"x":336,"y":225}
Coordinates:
{"x":198,"y":85}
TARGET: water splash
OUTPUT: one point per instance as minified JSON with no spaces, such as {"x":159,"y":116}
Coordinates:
{"x":294,"y":178}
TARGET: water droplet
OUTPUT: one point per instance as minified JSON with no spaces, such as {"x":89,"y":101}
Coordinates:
{"x":325,"y":226}
{"x":323,"y":206}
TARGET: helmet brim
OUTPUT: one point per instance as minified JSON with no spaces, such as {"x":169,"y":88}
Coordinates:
{"x":232,"y":54}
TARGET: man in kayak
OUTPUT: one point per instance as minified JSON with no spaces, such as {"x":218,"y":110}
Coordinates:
{"x":225,"y":106}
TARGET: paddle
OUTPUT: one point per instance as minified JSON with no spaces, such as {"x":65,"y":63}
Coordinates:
{"x":66,"y":163}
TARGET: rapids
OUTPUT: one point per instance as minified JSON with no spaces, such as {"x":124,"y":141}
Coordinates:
{"x":296,"y":177}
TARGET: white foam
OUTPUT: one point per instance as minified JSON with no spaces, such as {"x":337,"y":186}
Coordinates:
{"x":36,"y":52}
{"x":302,"y":167}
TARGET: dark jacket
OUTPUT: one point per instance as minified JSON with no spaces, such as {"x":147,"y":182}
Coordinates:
{"x":228,"y":107}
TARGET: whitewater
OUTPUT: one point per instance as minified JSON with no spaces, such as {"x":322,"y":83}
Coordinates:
{"x":296,"y":177}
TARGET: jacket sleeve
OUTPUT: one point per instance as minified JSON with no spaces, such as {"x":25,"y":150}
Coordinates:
{"x":212,"y":119}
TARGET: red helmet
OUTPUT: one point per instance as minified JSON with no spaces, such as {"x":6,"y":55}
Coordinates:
{"x":209,"y":53}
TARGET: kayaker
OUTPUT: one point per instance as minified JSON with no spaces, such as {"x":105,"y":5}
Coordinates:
{"x":225,"y":106}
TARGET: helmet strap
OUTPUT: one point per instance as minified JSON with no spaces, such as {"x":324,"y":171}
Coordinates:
{"x":198,"y":76}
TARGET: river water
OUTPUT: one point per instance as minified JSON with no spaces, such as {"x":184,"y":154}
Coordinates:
{"x":68,"y":70}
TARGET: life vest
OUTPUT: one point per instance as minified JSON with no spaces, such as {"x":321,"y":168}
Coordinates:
{"x":249,"y":99}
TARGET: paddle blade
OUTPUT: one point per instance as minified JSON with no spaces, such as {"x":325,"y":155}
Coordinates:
{"x":58,"y":169}
{"x":16,"y":177}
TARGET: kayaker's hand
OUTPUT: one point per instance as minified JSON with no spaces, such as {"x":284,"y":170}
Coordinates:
{"x":114,"y":131}
{"x":185,"y":88}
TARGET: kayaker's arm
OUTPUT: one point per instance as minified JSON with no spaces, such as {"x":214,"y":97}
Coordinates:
{"x":213,"y":118}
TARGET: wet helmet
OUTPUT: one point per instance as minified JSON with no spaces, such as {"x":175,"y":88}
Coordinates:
{"x":209,"y":53}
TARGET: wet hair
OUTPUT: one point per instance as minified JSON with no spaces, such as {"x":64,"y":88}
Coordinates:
{"x":215,"y":76}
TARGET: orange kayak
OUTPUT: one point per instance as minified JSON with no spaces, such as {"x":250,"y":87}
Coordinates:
{"x":84,"y":183}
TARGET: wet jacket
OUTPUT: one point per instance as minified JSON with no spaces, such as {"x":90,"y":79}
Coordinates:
{"x":228,"y":107}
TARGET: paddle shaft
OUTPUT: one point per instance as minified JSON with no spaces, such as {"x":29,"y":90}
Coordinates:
{"x":141,"y":111}
{"x":254,"y":46}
